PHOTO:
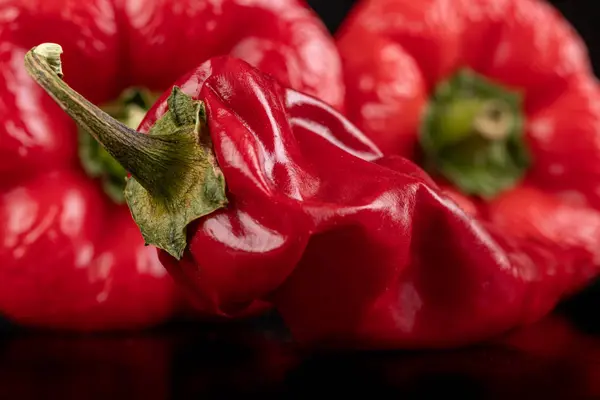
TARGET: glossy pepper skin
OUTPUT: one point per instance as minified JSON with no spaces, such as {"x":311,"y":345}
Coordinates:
{"x":69,"y":257}
{"x":354,"y":249}
{"x":241,"y":253}
{"x":396,"y":52}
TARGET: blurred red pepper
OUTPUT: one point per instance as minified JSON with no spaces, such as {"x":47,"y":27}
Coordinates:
{"x":70,"y":257}
{"x":255,"y":191}
{"x":495,"y":98}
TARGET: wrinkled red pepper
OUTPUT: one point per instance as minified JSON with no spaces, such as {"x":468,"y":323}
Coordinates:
{"x":69,"y":257}
{"x":290,"y":202}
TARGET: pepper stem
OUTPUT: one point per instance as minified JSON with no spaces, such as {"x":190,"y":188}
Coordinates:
{"x":175,"y":178}
{"x":472,"y":134}
{"x":138,"y":153}
{"x":491,"y":119}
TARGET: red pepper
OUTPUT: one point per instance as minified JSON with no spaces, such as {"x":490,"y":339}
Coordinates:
{"x":70,"y":257}
{"x":255,"y":191}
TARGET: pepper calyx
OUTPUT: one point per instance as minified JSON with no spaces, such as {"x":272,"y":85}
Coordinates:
{"x":175,"y":177}
{"x":193,"y":185}
{"x":472,"y":135}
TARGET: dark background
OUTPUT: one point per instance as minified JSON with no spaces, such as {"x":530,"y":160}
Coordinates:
{"x":556,"y":359}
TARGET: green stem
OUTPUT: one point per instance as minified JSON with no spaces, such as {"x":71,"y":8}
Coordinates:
{"x":455,"y":122}
{"x":465,"y":117}
{"x":472,"y":134}
{"x":175,"y":176}
{"x":130,"y":109}
{"x":142,"y":155}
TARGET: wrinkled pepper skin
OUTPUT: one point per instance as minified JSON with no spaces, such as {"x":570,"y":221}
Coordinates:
{"x":354,"y":249}
{"x":69,"y":257}
{"x":240,"y":254}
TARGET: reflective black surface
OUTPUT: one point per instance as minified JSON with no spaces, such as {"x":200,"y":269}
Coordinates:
{"x":549,"y":360}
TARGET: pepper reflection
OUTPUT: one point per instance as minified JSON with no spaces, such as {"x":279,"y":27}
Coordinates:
{"x":547,"y":360}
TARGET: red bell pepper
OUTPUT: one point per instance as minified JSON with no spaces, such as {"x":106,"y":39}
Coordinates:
{"x":253,"y":191}
{"x":69,"y":256}
{"x":495,"y":98}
